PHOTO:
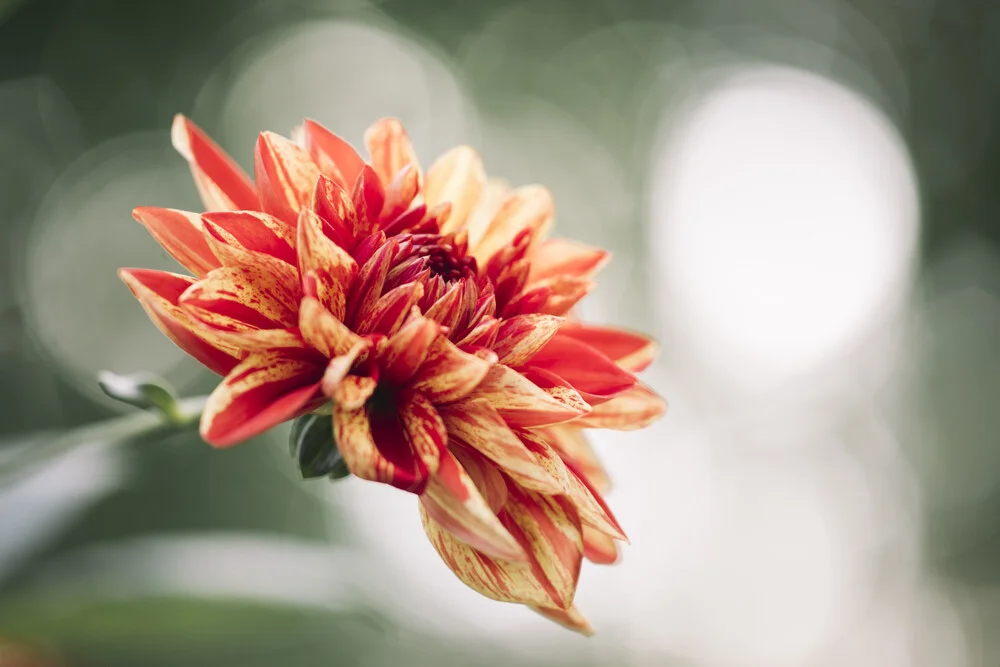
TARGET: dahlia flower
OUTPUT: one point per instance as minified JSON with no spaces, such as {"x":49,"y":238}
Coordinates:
{"x":430,"y":315}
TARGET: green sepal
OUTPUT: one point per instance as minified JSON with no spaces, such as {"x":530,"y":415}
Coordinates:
{"x":313,"y":446}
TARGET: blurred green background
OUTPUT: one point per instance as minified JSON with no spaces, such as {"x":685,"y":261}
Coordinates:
{"x":801,"y":200}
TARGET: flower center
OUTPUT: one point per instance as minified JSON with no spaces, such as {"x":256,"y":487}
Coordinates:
{"x":445,"y":257}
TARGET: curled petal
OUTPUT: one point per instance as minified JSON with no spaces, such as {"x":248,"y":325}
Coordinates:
{"x":223,"y":186}
{"x":570,"y":619}
{"x":158,"y":292}
{"x":593,"y":375}
{"x":286,"y":176}
{"x":457,"y":177}
{"x":335,"y":157}
{"x":449,"y":374}
{"x":454,"y":502}
{"x":549,"y":531}
{"x":332,"y":268}
{"x":323,"y":331}
{"x":636,"y":408}
{"x":336,"y":374}
{"x":478,"y":425}
{"x":375,"y":447}
{"x":353,"y":391}
{"x":520,"y":337}
{"x":630,"y":350}
{"x":558,"y":257}
{"x":264,"y":390}
{"x":253,"y":231}
{"x":180,"y":234}
{"x":407,"y":350}
{"x":526,"y":208}
{"x":520,"y":402}
{"x":390,"y":149}
{"x":425,"y":430}
{"x":241,"y":297}
{"x":598,"y":547}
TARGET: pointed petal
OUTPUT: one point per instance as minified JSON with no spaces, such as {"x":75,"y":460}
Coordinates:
{"x":265,"y":389}
{"x":520,"y":337}
{"x":455,"y":503}
{"x":456,"y":177}
{"x":557,"y":257}
{"x":556,"y":387}
{"x":223,"y":186}
{"x":564,"y":292}
{"x":592,"y":509}
{"x":241,"y":297}
{"x":634,"y":409}
{"x":449,"y":374}
{"x":593,"y":375}
{"x":570,"y":619}
{"x":253,"y":231}
{"x":323,"y":331}
{"x":333,"y":268}
{"x":391,"y":309}
{"x":521,"y":402}
{"x":400,"y":192}
{"x":529,"y":207}
{"x":157,"y":292}
{"x":629,"y":349}
{"x":547,"y":528}
{"x":286,"y":176}
{"x":480,"y":427}
{"x":370,"y":281}
{"x":390,"y":149}
{"x":407,"y":350}
{"x":572,"y":445}
{"x":335,"y":157}
{"x":333,"y":204}
{"x":368,"y":195}
{"x":598,"y":547}
{"x":180,"y":234}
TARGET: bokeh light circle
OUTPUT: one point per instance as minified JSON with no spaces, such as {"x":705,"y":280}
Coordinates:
{"x":784,"y":218}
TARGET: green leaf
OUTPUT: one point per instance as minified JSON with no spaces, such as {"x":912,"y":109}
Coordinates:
{"x":314,"y":448}
{"x":143,"y":390}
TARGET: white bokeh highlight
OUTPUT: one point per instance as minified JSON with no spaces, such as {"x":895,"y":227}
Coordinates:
{"x":784,"y":216}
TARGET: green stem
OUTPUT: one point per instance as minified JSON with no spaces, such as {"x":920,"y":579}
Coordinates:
{"x":23,"y":457}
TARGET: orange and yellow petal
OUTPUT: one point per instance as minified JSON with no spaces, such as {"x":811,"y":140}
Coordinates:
{"x":181,"y":234}
{"x":631,"y":350}
{"x":549,"y":531}
{"x":223,"y":186}
{"x":286,"y":176}
{"x":634,"y":409}
{"x":457,"y":178}
{"x":158,"y":292}
{"x":521,"y":402}
{"x":453,"y":500}
{"x":262,"y":391}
